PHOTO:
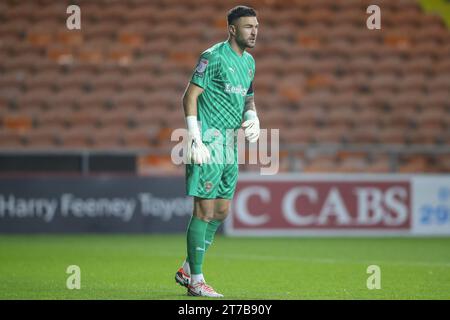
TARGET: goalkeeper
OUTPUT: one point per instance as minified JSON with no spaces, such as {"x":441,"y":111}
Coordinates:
{"x":219,"y":98}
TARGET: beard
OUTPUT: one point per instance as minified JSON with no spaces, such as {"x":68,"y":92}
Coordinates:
{"x":248,"y":43}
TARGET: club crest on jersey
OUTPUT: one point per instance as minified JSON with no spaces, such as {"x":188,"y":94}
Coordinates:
{"x":250,"y":73}
{"x":208,"y":186}
{"x":201,"y":66}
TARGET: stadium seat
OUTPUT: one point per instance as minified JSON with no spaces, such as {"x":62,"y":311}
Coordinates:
{"x":76,"y":138}
{"x":320,"y":165}
{"x":54,"y":117}
{"x":109,"y":137}
{"x":413,"y":164}
{"x":42,"y":138}
{"x":85,"y":117}
{"x":392,"y":135}
{"x":331,"y":135}
{"x":140,"y":137}
{"x":18,"y":122}
{"x":364,"y":135}
{"x":11,"y":139}
{"x":352,"y":165}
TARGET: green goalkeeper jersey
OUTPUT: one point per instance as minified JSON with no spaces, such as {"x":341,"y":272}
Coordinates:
{"x":227,"y":80}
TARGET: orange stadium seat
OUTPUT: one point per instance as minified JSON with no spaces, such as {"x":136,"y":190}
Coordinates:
{"x":379,"y":165}
{"x":352,"y":165}
{"x":69,"y":37}
{"x":413,"y":164}
{"x":92,"y":52}
{"x":18,"y":121}
{"x":133,"y":35}
{"x":97,"y":31}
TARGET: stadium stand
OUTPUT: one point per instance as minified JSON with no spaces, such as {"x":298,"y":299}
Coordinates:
{"x":329,"y":84}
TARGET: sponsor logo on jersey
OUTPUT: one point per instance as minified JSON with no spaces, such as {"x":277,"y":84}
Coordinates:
{"x":236,"y":90}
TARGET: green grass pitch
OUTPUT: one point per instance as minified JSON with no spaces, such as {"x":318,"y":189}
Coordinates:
{"x":143,"y":267}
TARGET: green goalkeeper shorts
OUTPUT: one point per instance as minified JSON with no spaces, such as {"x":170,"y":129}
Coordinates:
{"x":217,"y":179}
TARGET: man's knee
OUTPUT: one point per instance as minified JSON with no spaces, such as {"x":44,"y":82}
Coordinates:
{"x":221,"y":210}
{"x":204,"y":209}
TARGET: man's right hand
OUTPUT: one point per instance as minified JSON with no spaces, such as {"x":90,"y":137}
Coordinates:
{"x":197,"y":152}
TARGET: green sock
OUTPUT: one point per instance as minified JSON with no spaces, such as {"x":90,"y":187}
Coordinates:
{"x":211,"y":229}
{"x":213,"y":225}
{"x":196,"y":244}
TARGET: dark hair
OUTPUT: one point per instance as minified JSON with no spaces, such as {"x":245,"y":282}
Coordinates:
{"x":240,"y":11}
